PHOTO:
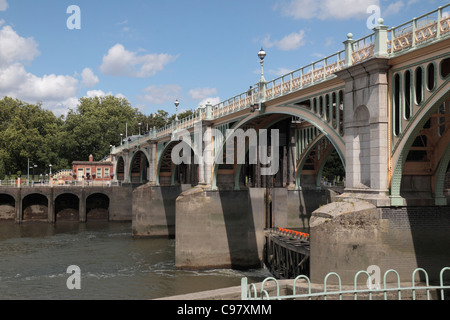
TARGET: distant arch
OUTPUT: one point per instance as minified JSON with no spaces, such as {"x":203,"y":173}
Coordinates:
{"x":97,"y":207}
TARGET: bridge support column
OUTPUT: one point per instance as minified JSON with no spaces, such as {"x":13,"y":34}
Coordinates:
{"x":367,"y":127}
{"x":127,"y":178}
{"x":153,"y":161}
{"x":219,"y":229}
{"x":206,"y":157}
{"x":82,"y":207}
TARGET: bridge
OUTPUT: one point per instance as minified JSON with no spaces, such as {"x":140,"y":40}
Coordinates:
{"x":53,"y":204}
{"x":382,"y":104}
{"x":217,"y":179}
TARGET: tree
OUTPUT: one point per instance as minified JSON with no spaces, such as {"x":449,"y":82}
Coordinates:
{"x":27,"y":133}
{"x":95,"y":125}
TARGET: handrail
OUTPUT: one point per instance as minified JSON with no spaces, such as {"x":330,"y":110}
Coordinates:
{"x":252,"y":294}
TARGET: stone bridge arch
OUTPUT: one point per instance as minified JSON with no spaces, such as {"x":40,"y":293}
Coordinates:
{"x":327,"y":128}
{"x":139,"y":169}
{"x":169,"y":173}
{"x":404,"y":146}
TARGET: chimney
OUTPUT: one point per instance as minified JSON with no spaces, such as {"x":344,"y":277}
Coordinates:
{"x":91,"y":158}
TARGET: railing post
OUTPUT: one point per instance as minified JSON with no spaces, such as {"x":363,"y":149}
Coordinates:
{"x":348,"y":49}
{"x":208,"y":111}
{"x":380,"y":49}
{"x":438,"y":25}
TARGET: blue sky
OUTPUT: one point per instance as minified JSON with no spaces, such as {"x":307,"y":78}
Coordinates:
{"x":153,"y":52}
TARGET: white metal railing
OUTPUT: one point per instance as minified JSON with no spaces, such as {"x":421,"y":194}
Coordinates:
{"x":367,"y":291}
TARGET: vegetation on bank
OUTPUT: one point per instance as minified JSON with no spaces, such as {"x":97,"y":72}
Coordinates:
{"x":28,"y":132}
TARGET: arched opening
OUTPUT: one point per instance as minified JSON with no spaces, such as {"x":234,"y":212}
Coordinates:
{"x":333,"y":170}
{"x":97,"y":207}
{"x":419,"y":85}
{"x":445,"y":68}
{"x":7,"y":207}
{"x":67,"y":207}
{"x":120,"y":170}
{"x":139,"y":168}
{"x":35,"y":208}
{"x":397,"y":105}
{"x":431,"y":77}
{"x":407,"y":95}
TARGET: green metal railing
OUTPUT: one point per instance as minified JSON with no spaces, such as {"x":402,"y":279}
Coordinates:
{"x":251,"y":292}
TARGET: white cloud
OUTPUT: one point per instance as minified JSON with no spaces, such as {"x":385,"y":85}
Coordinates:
{"x":202,"y":93}
{"x":161,"y":94}
{"x":88,"y":78}
{"x":292,"y":41}
{"x":325,"y":9}
{"x":101,"y":93}
{"x":121,"y":62}
{"x":16,"y":82}
{"x":14,"y":48}
{"x":3,"y":5}
{"x":56,"y":92}
{"x":211,"y":100}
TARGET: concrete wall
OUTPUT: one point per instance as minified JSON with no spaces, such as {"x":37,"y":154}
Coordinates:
{"x":153,"y":210}
{"x":219,"y":229}
{"x":351,"y":235}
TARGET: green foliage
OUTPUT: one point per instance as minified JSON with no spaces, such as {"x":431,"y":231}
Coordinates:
{"x":30,"y":133}
{"x":333,"y":167}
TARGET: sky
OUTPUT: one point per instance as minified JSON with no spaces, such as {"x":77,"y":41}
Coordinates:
{"x":154,"y":52}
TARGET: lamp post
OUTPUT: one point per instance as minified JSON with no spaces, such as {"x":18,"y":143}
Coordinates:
{"x":176,"y":103}
{"x":121,"y":139}
{"x":139,"y":128}
{"x":262,"y":55}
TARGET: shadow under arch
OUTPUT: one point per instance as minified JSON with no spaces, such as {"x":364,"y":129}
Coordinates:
{"x":35,"y":207}
{"x":97,"y":207}
{"x":139,"y":167}
{"x":120,"y":169}
{"x":166,"y":168}
{"x":302,"y":161}
{"x":7,"y":207}
{"x":288,"y":111}
{"x":67,"y":207}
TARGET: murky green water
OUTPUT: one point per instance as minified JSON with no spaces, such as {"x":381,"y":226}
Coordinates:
{"x":34,"y":259}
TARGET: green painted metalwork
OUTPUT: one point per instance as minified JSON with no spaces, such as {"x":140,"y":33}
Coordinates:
{"x":251,"y":292}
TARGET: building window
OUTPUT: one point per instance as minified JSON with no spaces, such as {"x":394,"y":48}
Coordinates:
{"x":106,"y":172}
{"x":99,"y":173}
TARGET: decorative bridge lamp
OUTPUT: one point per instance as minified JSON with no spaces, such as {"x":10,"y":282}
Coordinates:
{"x":262,"y":82}
{"x":262,"y":55}
{"x":177,"y":103}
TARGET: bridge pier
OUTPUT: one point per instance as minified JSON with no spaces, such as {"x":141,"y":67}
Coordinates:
{"x":351,"y":235}
{"x":366,"y":130}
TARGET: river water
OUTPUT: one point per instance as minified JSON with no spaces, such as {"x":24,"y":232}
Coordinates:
{"x":34,"y":261}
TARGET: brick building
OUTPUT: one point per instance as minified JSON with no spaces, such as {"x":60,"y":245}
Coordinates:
{"x":92,"y":170}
